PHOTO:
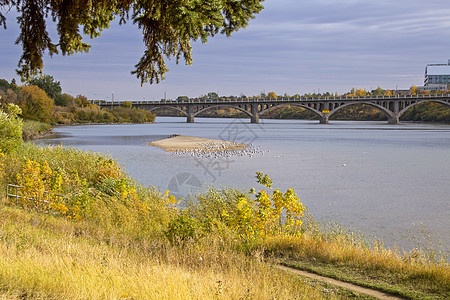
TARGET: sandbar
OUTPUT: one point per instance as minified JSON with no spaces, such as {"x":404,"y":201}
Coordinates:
{"x":191,"y":143}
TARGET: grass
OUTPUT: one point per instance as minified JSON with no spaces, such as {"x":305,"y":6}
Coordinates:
{"x":124,"y":241}
{"x":409,"y":274}
{"x":46,"y":257}
{"x":34,"y":129}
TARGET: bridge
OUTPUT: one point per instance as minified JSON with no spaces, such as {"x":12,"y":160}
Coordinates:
{"x":392,"y":106}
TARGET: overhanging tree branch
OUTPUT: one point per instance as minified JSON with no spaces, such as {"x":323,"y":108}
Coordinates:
{"x":168,"y":27}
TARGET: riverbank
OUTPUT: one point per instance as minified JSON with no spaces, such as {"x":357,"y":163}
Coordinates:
{"x":179,"y":143}
{"x":35,"y":130}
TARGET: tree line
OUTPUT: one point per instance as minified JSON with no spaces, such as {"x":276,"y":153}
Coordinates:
{"x":41,"y":99}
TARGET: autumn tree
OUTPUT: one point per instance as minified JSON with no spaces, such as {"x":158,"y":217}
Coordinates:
{"x":272,"y":95}
{"x":35,"y":104}
{"x":82,"y":101}
{"x":414,"y":90}
{"x":168,"y":28}
{"x":8,"y":92}
{"x":360,"y":93}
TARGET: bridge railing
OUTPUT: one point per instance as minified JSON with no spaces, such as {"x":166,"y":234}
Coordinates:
{"x":290,"y":99}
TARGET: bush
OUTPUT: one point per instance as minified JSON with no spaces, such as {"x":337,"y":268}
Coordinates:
{"x":10,"y":129}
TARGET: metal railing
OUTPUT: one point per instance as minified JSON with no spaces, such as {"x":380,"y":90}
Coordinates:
{"x":12,"y":191}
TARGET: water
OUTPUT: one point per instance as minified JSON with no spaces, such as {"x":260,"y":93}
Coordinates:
{"x":380,"y":179}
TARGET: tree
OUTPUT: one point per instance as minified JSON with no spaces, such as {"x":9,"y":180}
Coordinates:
{"x":10,"y":128}
{"x":414,"y":90}
{"x":51,"y":87}
{"x":82,"y":101}
{"x":378,"y":92}
{"x":182,"y":98}
{"x":66,"y":100}
{"x":35,"y":104}
{"x":272,"y":95}
{"x":5,"y":85}
{"x":168,"y":27}
{"x":212,"y":96}
{"x":360,"y":93}
{"x":127,"y":104}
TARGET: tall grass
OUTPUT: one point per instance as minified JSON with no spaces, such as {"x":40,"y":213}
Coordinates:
{"x":43,"y":257}
{"x":333,"y":251}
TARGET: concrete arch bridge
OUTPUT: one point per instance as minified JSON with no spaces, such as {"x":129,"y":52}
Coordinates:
{"x":392,"y":106}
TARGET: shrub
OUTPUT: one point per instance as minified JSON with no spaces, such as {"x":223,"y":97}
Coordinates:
{"x":10,"y":129}
{"x":276,"y":214}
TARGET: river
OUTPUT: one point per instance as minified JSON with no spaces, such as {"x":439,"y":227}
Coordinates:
{"x":379,"y":179}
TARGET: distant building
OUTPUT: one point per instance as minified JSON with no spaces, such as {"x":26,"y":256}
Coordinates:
{"x":437,"y":77}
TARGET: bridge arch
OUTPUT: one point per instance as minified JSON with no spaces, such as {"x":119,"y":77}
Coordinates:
{"x":315,"y":111}
{"x":224,"y":105}
{"x":386,"y":111}
{"x":422,"y":101}
{"x":170,"y":107}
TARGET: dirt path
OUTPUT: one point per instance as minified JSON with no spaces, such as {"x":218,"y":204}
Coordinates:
{"x":346,"y":285}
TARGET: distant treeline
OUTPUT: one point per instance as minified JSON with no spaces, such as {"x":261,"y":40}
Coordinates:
{"x":42,"y":100}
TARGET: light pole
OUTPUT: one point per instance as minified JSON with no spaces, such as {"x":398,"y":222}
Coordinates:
{"x":112,"y":100}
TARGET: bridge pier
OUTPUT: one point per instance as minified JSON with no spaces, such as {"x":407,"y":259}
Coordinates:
{"x":324,"y":119}
{"x":190,"y":113}
{"x":255,"y":114}
{"x":393,"y":120}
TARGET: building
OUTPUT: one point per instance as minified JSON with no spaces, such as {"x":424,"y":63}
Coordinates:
{"x":437,"y":77}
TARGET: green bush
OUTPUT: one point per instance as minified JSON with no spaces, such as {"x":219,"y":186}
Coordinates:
{"x":10,"y":129}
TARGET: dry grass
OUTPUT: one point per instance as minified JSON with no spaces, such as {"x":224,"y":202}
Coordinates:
{"x":408,"y":274}
{"x":43,"y":257}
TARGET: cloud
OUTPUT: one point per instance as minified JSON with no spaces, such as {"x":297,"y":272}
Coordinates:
{"x":292,"y":46}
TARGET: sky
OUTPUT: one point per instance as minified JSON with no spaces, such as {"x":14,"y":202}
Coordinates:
{"x":291,"y":47}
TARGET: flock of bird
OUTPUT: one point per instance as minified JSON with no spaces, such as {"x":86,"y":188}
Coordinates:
{"x":220,"y":150}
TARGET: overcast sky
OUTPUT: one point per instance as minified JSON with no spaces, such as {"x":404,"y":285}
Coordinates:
{"x":293,"y":46}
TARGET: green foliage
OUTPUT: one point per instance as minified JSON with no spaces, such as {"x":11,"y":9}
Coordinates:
{"x":34,"y":129}
{"x":51,"y":87}
{"x":65,"y":100}
{"x":184,"y":228}
{"x":5,"y":85}
{"x":168,"y":28}
{"x":378,"y":92}
{"x":10,"y":129}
